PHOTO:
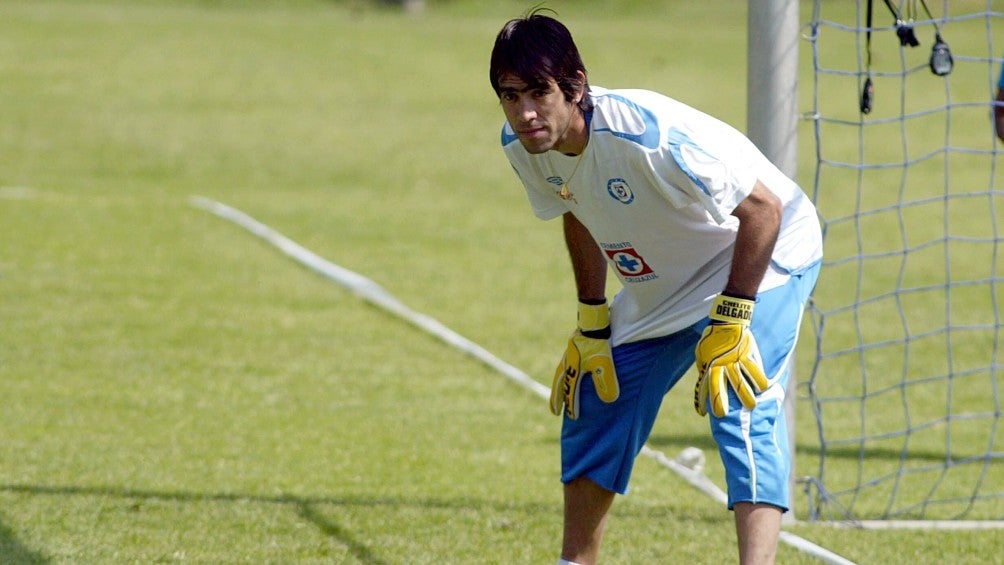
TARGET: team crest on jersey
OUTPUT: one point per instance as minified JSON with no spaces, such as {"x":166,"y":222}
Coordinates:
{"x":628,"y":262}
{"x":619,"y":189}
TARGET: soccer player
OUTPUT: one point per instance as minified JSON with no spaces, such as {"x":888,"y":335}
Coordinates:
{"x":700,"y":228}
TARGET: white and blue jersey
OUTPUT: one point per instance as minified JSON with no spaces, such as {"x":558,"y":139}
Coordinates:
{"x":655,"y":187}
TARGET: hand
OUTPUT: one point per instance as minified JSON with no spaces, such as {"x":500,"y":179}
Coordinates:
{"x":587,"y":354}
{"x":727,"y":352}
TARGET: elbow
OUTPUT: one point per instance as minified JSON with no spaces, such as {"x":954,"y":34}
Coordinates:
{"x":776,"y":210}
{"x":762,"y":205}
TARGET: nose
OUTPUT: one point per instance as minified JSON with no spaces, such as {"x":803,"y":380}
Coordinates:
{"x":527,"y":110}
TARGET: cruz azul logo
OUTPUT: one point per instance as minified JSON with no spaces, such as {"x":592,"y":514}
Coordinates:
{"x":628,"y":262}
{"x":619,"y":189}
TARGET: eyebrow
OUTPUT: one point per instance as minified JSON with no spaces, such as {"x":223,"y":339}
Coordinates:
{"x":527,"y":88}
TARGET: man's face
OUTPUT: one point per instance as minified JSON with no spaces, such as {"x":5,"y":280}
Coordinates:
{"x":539,"y":114}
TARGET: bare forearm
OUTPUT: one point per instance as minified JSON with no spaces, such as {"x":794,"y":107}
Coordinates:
{"x":588,"y":264}
{"x":759,"y":222}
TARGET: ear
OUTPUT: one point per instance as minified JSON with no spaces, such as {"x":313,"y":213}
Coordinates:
{"x":581,"y":76}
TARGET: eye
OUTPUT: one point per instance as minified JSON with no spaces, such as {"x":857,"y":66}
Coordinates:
{"x":508,"y":96}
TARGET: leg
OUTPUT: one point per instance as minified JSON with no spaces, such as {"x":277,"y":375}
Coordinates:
{"x":758,"y":527}
{"x":586,"y":507}
{"x":598,"y":450}
{"x":754,"y":445}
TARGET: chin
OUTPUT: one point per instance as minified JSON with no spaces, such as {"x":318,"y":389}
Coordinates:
{"x":536,"y":148}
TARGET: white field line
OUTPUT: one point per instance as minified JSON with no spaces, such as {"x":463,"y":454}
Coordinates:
{"x":17,"y":192}
{"x":943,"y":525}
{"x":378,"y":296}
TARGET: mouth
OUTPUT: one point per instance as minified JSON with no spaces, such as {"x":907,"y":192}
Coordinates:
{"x":532,"y":132}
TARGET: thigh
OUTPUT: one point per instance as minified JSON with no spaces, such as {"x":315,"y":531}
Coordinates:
{"x":603,"y":442}
{"x":776,"y":321}
{"x":753,"y":444}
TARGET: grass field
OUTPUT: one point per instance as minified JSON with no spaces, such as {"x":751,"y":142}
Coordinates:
{"x":175,"y":390}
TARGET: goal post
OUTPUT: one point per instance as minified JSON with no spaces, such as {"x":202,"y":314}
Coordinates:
{"x":772,"y":80}
{"x":772,"y":117}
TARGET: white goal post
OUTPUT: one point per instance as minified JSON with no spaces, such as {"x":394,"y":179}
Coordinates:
{"x":772,"y":41}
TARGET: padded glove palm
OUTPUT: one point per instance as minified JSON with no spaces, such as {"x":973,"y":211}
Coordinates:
{"x":587,"y":355}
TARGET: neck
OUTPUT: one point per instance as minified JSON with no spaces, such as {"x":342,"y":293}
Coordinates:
{"x":576,"y":136}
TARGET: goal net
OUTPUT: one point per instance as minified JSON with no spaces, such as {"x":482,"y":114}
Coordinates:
{"x":907,"y":316}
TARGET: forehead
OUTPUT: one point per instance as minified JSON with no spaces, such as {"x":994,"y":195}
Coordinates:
{"x":512,"y":82}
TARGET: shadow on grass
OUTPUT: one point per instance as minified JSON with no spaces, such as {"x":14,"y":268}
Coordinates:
{"x":335,"y":531}
{"x":857,"y":453}
{"x":306,"y":507}
{"x":11,"y":551}
{"x":14,"y":553}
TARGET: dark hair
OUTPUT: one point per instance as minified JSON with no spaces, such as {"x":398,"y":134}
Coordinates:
{"x":536,"y":48}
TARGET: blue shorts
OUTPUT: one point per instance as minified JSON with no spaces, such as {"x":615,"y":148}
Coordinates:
{"x":605,"y":440}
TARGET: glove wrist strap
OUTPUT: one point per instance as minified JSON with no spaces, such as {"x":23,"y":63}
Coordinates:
{"x":593,"y":316}
{"x":731,"y":310}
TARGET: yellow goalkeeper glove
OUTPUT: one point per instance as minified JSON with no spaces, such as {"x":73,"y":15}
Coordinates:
{"x":587,"y":354}
{"x":727,"y":352}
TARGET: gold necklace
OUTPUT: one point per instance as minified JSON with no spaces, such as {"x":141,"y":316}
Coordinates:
{"x":564,"y":194}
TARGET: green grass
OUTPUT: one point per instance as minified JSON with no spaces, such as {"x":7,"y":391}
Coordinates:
{"x":175,"y":390}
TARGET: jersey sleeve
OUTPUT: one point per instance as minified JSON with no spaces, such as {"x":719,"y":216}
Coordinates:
{"x":716,"y":170}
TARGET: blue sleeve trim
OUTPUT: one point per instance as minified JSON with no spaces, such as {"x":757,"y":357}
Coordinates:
{"x":507,"y":137}
{"x":648,"y":138}
{"x":677,"y":139}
